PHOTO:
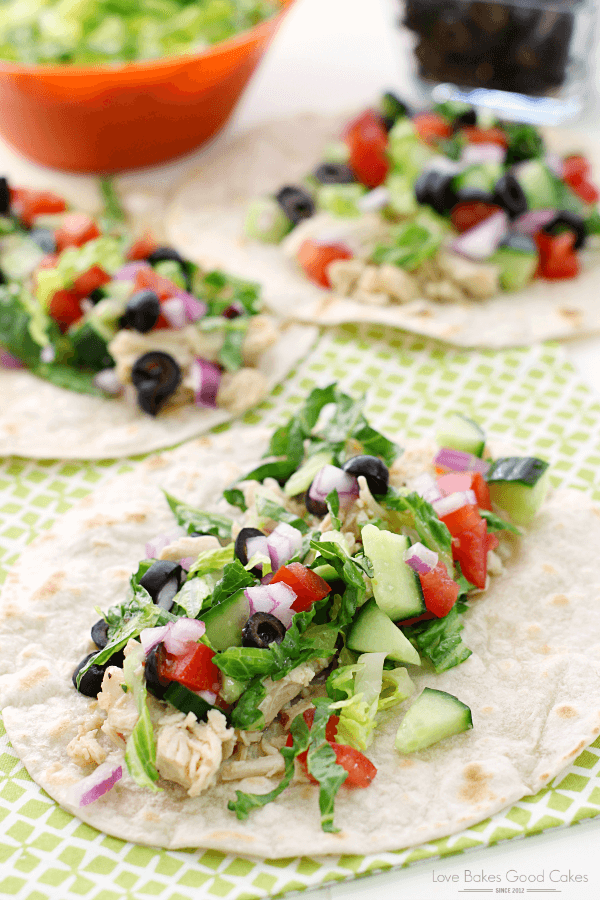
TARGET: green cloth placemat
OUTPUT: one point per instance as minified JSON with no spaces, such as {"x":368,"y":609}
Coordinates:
{"x":530,"y":397}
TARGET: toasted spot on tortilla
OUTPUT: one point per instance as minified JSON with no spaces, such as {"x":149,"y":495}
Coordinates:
{"x":100,"y":521}
{"x":57,"y":774}
{"x":99,"y":544}
{"x":572,"y":314}
{"x":475,"y":787}
{"x":136,"y":517}
{"x":406,"y":763}
{"x":63,"y":725}
{"x":544,"y":649}
{"x":156,"y":462}
{"x":35,"y":677}
{"x":548,"y":568}
{"x":50,"y":587}
{"x":566,"y":712}
{"x":487,"y":709}
{"x":10,"y":611}
{"x":231,"y":835}
{"x":533,"y":628}
{"x":560,"y":600}
{"x":149,"y":816}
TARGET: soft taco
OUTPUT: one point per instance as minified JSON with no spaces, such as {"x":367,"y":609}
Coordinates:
{"x":112,"y":345}
{"x":428,"y":719}
{"x":446,"y":223}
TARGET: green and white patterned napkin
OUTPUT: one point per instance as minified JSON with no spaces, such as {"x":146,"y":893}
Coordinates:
{"x":530,"y":397}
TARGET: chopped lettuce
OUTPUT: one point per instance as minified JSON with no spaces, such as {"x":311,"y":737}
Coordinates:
{"x":212,"y":560}
{"x":412,"y":511}
{"x":140,"y":750}
{"x":495,"y":523}
{"x":105,"y":251}
{"x":196,"y":520}
{"x":440,"y":641}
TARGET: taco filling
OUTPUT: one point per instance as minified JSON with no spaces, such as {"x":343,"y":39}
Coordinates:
{"x":449,"y":205}
{"x":271,"y":646}
{"x":89,"y":308}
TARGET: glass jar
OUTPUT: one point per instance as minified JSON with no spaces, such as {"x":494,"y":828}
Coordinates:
{"x":530,"y":60}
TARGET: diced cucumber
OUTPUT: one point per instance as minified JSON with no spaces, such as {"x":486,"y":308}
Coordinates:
{"x":396,"y":587}
{"x":482,"y":177}
{"x":170,"y":268}
{"x":327,"y":572}
{"x":187,"y":701}
{"x":301,"y":479}
{"x":517,"y":267}
{"x":19,"y":256}
{"x":7,"y":225}
{"x":434,"y":715}
{"x":374,"y":632}
{"x":225,"y":621}
{"x":518,"y":485}
{"x":396,"y":687}
{"x":407,"y":153}
{"x":266,"y":221}
{"x":461,"y":433}
{"x":402,"y":195}
{"x":323,"y":636}
{"x":538,"y":184}
{"x":340,"y":199}
{"x":231,"y":688}
{"x":336,"y":152}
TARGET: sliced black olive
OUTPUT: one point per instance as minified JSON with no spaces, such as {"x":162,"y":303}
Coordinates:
{"x":97,"y":295}
{"x":296,"y":203}
{"x":465,"y":119}
{"x":374,"y":470}
{"x":315,"y":507}
{"x":517,"y":241}
{"x":162,"y":581}
{"x":44,"y":238}
{"x":435,"y":189}
{"x":162,"y":254}
{"x":142,"y":311}
{"x":509,"y":194}
{"x":2,"y":277}
{"x":262,"y":629}
{"x":155,"y":684}
{"x":100,"y":633}
{"x":240,"y":548}
{"x":571,"y":222}
{"x":91,"y":681}
{"x":473,"y":195}
{"x":334,"y":173}
{"x":156,"y":375}
{"x":4,"y":197}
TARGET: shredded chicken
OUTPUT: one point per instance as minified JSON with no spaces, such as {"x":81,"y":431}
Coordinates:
{"x":478,"y":280}
{"x":239,"y":391}
{"x":267,"y":766}
{"x":84,"y":749}
{"x":279,"y":693}
{"x":190,"y":752}
{"x":119,"y":706}
{"x":189,"y":546}
{"x":261,"y":334}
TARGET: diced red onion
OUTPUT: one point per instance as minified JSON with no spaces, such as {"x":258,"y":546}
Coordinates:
{"x":130,"y":270}
{"x":374,"y":200}
{"x":444,"y":165}
{"x":532,"y":222}
{"x":426,"y":487}
{"x":187,"y":562}
{"x":276,"y":599}
{"x":267,"y":579}
{"x":479,"y":154}
{"x":454,"y":501}
{"x":480,"y":242}
{"x":194,"y":308}
{"x":329,"y":479}
{"x":206,"y":378}
{"x":151,"y":637}
{"x":48,"y":354}
{"x":257,"y":544}
{"x":420,"y":558}
{"x":173,"y":310}
{"x":100,"y":782}
{"x":108,"y":382}
{"x":556,"y":164}
{"x":182,"y":632}
{"x":86,"y":306}
{"x":154,"y":547}
{"x":283,"y":543}
{"x":459,"y":461}
{"x":9,"y":361}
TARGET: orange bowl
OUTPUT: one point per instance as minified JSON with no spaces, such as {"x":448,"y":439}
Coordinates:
{"x":106,"y":119}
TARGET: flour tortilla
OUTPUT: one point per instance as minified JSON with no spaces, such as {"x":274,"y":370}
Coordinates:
{"x":533,"y":681}
{"x":42,"y":421}
{"x":205,"y":220}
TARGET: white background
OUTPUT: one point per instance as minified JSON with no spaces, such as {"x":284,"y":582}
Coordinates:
{"x":335,"y":55}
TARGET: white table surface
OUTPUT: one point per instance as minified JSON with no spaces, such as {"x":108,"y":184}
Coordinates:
{"x":333,"y":55}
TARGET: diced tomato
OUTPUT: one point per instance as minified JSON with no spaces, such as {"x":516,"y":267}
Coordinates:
{"x":65,"y":308}
{"x":88,"y":281}
{"x":360,"y":769}
{"x":193,"y":668}
{"x":432,"y":128}
{"x":469,"y":549}
{"x":306,"y":584}
{"x":367,"y":140}
{"x":147,"y":278}
{"x":491,"y":541}
{"x":49,"y":261}
{"x":28,"y":204}
{"x":439,"y":591}
{"x":309,"y":717}
{"x":476,"y":135}
{"x":468,"y":215}
{"x":465,"y":517}
{"x":465,"y":481}
{"x":558,"y":259}
{"x":76,"y":230}
{"x":576,"y":174}
{"x":141,"y":248}
{"x":314,"y":257}
{"x":424,"y":618}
